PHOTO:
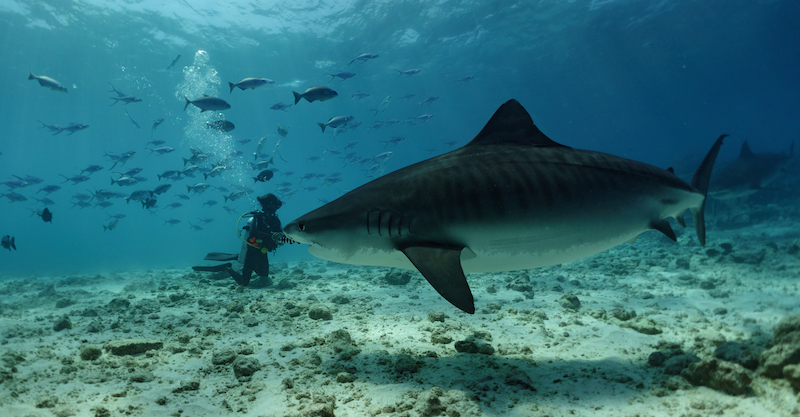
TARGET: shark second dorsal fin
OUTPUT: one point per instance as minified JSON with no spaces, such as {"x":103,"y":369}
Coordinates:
{"x":512,"y":125}
{"x":746,"y":152}
{"x":441,"y":266}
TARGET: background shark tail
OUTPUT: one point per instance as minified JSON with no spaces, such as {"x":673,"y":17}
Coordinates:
{"x":700,"y":181}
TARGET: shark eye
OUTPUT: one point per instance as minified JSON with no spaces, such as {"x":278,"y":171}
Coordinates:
{"x":301,"y":227}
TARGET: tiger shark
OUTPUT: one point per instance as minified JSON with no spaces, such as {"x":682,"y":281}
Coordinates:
{"x":509,"y":199}
{"x":749,"y":173}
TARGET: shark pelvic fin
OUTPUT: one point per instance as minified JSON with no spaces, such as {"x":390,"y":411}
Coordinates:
{"x":441,"y":266}
{"x":664,"y":227}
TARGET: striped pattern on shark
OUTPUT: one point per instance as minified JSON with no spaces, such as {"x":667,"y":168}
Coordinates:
{"x":510,"y":199}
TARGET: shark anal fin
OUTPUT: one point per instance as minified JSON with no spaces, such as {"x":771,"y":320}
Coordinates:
{"x":441,"y":266}
{"x":664,"y":227}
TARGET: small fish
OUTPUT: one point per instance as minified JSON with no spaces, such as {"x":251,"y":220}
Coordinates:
{"x":76,"y":179}
{"x":47,"y":215}
{"x":318,"y":93}
{"x":161,"y":189}
{"x":156,"y":142}
{"x":131,"y":172}
{"x":123,"y":158}
{"x":48,"y":82}
{"x":82,"y":197}
{"x":122,"y":97}
{"x":91,"y":169}
{"x":135,"y":123}
{"x":189,"y":171}
{"x":235,"y":195}
{"x":428,"y":100}
{"x":260,"y":146}
{"x":409,"y":72}
{"x":343,"y":75}
{"x":197,"y":188}
{"x":207,"y":103}
{"x":156,"y":123}
{"x":111,"y":225}
{"x":243,"y":141}
{"x":335,"y":123}
{"x":215,"y":172}
{"x":46,"y":201}
{"x":195,"y":227}
{"x":15,"y":197}
{"x":138,"y":195}
{"x":359,"y":95}
{"x":124,"y":181}
{"x":466,"y":79}
{"x":207,"y":220}
{"x":149,"y":203}
{"x":172,"y":222}
{"x":55,"y":128}
{"x":364,"y":58}
{"x":162,"y":150}
{"x":283,"y":131}
{"x":384,"y":104}
{"x":8,"y":242}
{"x":15,"y":183}
{"x":172,"y":174}
{"x":104,"y":204}
{"x":174,"y":61}
{"x":278,"y":106}
{"x":263,"y":176}
{"x":407,"y":96}
{"x":175,"y":205}
{"x":393,"y":141}
{"x":221,"y":125}
{"x":74,"y":127}
{"x":210,"y":203}
{"x":251,"y":83}
{"x":49,"y":189}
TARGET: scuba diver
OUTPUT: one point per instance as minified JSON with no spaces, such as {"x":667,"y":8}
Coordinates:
{"x":263,"y":235}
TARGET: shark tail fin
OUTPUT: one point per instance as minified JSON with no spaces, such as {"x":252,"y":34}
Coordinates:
{"x":297,"y":96}
{"x":700,"y":181}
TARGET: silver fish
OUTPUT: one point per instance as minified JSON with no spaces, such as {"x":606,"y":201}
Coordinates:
{"x":207,"y":103}
{"x":48,"y":82}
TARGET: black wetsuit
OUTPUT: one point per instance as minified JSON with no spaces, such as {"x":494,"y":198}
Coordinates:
{"x":255,"y":259}
{"x":260,"y":242}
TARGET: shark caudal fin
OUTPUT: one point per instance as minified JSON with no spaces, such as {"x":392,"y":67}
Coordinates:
{"x":700,"y":181}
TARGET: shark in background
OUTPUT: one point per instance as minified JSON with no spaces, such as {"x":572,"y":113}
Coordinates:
{"x":510,"y":199}
{"x":749,"y":173}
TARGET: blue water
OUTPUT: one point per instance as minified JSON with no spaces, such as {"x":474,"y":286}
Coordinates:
{"x":655,"y":81}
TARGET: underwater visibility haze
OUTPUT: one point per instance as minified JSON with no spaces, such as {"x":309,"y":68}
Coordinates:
{"x":138,"y":134}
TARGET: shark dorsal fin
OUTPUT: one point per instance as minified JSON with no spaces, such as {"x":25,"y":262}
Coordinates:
{"x":512,"y":125}
{"x":746,"y":152}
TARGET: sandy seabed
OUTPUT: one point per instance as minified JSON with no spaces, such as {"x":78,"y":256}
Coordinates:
{"x":652,"y":329}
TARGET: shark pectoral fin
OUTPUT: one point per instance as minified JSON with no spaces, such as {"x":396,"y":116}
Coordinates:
{"x":664,"y":227}
{"x":441,"y":266}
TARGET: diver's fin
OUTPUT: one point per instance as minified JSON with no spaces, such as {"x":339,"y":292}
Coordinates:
{"x":219,"y":256}
{"x":214,"y":268}
{"x":441,"y":266}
